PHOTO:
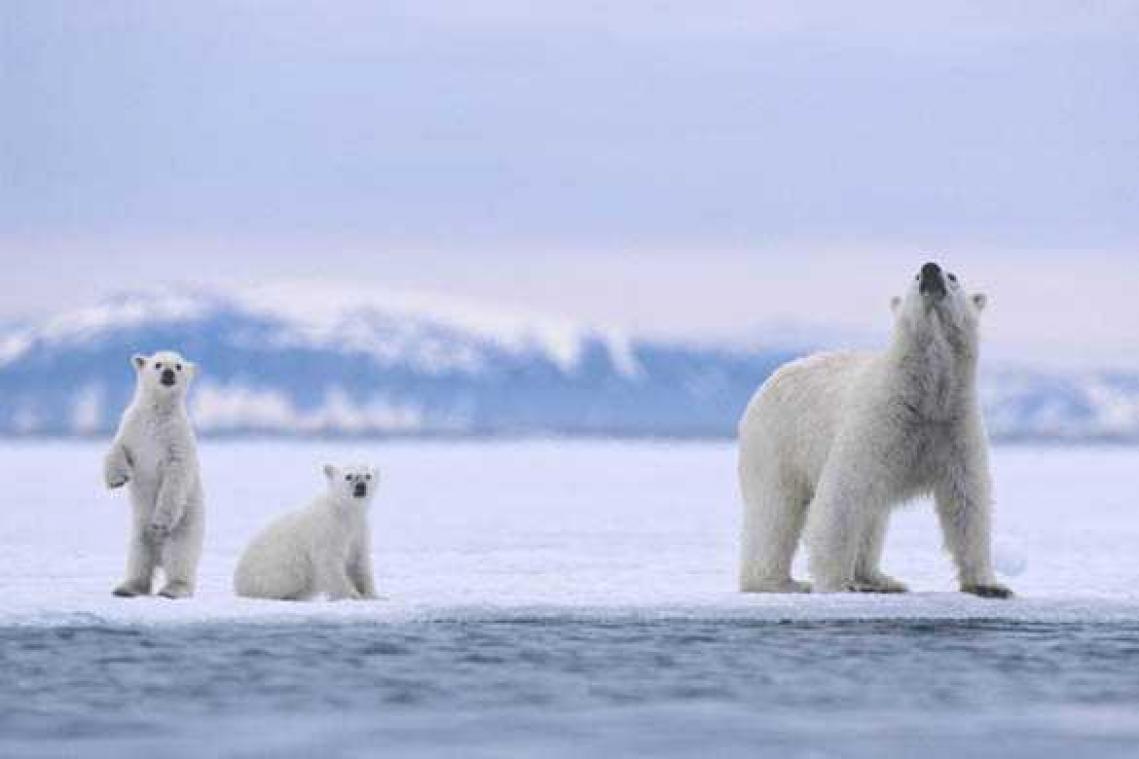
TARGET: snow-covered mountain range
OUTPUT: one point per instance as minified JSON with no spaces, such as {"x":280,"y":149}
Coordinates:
{"x":394,"y":366}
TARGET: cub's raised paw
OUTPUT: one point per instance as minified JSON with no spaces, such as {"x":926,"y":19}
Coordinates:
{"x":116,"y":480}
{"x":987,"y":590}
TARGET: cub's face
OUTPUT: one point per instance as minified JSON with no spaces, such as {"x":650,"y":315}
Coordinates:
{"x":355,"y":482}
{"x":164,"y":373}
{"x":936,"y":303}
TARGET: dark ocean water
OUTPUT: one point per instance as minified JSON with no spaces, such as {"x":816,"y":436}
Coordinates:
{"x":564,"y":687}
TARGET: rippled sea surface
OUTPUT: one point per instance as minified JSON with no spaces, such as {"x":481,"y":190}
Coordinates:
{"x":560,"y":687}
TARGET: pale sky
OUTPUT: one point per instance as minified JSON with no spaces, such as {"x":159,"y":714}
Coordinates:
{"x":669,"y":168}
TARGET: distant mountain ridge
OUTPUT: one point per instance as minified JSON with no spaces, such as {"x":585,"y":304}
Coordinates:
{"x":378,"y":369}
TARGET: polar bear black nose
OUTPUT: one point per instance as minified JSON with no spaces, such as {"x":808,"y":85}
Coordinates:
{"x":168,"y":377}
{"x":930,"y":281}
{"x":360,"y":490}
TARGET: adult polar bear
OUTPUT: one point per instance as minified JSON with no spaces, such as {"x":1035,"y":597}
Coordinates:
{"x":831,"y":443}
{"x":155,"y":451}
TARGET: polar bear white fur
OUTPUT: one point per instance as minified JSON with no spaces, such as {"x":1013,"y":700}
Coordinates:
{"x":831,"y":443}
{"x":325,"y":548}
{"x":155,"y":451}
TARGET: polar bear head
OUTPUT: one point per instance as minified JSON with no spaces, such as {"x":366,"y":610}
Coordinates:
{"x":165,"y":374}
{"x":937,"y":308}
{"x":354,"y":482}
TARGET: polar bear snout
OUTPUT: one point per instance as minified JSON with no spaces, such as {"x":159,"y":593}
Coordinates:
{"x":166,"y":373}
{"x":355,"y":482}
{"x":931,"y":281}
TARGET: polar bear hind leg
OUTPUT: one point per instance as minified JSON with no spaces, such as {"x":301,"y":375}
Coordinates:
{"x":773,"y":522}
{"x":180,"y":561}
{"x":868,"y":578}
{"x":141,"y":561}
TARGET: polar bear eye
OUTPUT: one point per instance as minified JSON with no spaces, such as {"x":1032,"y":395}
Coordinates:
{"x":157,"y":367}
{"x":953,"y":278}
{"x":347,"y":478}
{"x":178,"y":367}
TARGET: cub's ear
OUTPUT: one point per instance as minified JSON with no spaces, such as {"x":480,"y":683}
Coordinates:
{"x":138,"y":360}
{"x":980,"y":300}
{"x":894,"y":303}
{"x":329,"y":471}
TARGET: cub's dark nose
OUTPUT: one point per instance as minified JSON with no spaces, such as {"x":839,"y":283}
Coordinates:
{"x":931,"y":281}
{"x":360,"y":490}
{"x":168,"y":377}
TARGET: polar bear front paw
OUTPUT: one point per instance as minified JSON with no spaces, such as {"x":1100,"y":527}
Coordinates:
{"x":351,"y":595}
{"x":830,"y":585}
{"x":878,"y":583}
{"x":776,"y":586}
{"x":987,"y":590}
{"x":130,"y":590}
{"x":176,"y":590}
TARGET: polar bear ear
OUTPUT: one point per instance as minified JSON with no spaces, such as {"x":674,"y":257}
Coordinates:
{"x":138,"y":361}
{"x":894,"y":303}
{"x":329,"y":471}
{"x":980,"y":300}
{"x":191,"y":368}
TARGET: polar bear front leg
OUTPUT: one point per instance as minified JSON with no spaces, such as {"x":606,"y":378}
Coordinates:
{"x":831,"y":544}
{"x":116,"y":466}
{"x":964,"y":509}
{"x":333,"y":579}
{"x":360,"y":571}
{"x":849,"y":495}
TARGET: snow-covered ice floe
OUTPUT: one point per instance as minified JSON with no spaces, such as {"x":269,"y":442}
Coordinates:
{"x":557,"y":530}
{"x":550,"y":598}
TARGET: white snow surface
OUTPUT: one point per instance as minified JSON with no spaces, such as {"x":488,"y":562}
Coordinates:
{"x":557,"y":529}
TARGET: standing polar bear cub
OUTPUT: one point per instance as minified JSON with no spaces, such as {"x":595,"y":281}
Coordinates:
{"x":325,"y":548}
{"x":831,"y":443}
{"x":155,"y":452}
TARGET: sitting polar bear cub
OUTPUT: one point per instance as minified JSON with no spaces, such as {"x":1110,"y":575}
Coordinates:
{"x":322,"y":549}
{"x":831,"y":443}
{"x":154,"y":450}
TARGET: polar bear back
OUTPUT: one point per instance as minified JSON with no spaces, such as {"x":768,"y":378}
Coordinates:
{"x":278,"y":563}
{"x":794,"y":417}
